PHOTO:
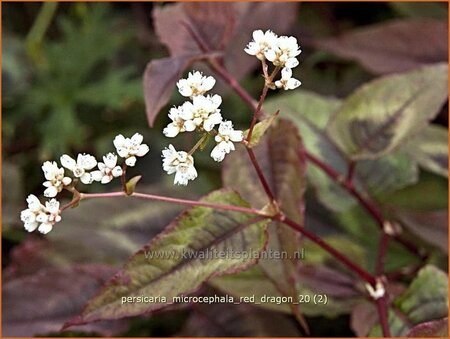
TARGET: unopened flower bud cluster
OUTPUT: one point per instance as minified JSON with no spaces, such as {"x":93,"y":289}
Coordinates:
{"x":43,"y":217}
{"x":281,"y":51}
{"x":201,"y":114}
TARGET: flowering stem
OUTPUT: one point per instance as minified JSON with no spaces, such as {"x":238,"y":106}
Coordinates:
{"x":363,"y":274}
{"x":382,"y":251}
{"x":199,"y":143}
{"x":260,"y":174}
{"x":123,"y":178}
{"x":267,"y":82}
{"x":145,"y":196}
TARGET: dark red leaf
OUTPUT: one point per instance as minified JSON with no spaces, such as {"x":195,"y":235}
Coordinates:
{"x":435,"y":328}
{"x":40,"y":303}
{"x":392,"y":47}
{"x":160,"y":78}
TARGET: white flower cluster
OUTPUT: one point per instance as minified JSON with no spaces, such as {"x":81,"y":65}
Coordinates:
{"x":42,"y":218}
{"x":281,"y":51}
{"x":201,"y":114}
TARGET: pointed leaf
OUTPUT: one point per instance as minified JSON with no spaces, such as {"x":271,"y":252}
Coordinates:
{"x":311,"y":112}
{"x":160,"y":78}
{"x":430,"y":149}
{"x":383,"y":114}
{"x":392,"y":47}
{"x":259,"y":130}
{"x":177,"y":262}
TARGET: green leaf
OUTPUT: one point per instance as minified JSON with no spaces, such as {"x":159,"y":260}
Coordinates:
{"x":435,"y":10}
{"x":430,"y":149}
{"x":131,"y":184}
{"x":425,"y":299}
{"x":383,"y":114}
{"x":259,"y":130}
{"x":250,"y":282}
{"x":177,"y":262}
{"x":311,"y":112}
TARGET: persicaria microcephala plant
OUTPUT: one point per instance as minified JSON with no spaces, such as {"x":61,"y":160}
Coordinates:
{"x":201,"y":114}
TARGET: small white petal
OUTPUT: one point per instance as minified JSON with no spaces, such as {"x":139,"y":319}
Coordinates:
{"x":106,"y":179}
{"x":31,"y":226}
{"x":33,"y":203}
{"x":131,"y":161}
{"x":236,"y":136}
{"x":86,"y":178}
{"x":119,"y":141}
{"x":110,"y":160}
{"x":217,"y":154}
{"x":66,"y":181}
{"x":137,"y":139}
{"x":117,"y":171}
{"x":97,"y":175}
{"x":67,"y":161}
{"x":52,"y":206}
{"x":51,"y":192}
{"x":171,"y":130}
{"x":45,"y":228}
{"x":142,"y":150}
{"x":190,"y":126}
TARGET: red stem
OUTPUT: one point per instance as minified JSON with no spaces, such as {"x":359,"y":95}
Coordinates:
{"x":260,"y":174}
{"x":351,"y":170}
{"x":383,"y":316}
{"x":173,"y":200}
{"x":371,"y":209}
{"x":366,"y":276}
{"x":382,"y":251}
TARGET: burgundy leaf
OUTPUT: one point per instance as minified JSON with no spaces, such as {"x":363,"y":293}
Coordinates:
{"x":435,"y":328}
{"x":392,"y":47}
{"x":39,"y":304}
{"x":243,"y":320}
{"x":178,"y":26}
{"x":432,"y":226}
{"x":160,"y":78}
{"x":363,"y":318}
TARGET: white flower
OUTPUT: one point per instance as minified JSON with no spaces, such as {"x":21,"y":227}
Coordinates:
{"x":107,"y":169}
{"x":203,"y":112}
{"x":225,"y":138}
{"x":262,"y":43}
{"x":195,"y":84}
{"x":177,"y":124}
{"x":55,"y":179}
{"x":40,"y":217}
{"x":84,"y":162}
{"x":130,"y":148}
{"x":180,"y":163}
{"x":287,"y":81}
{"x":285,"y":53}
